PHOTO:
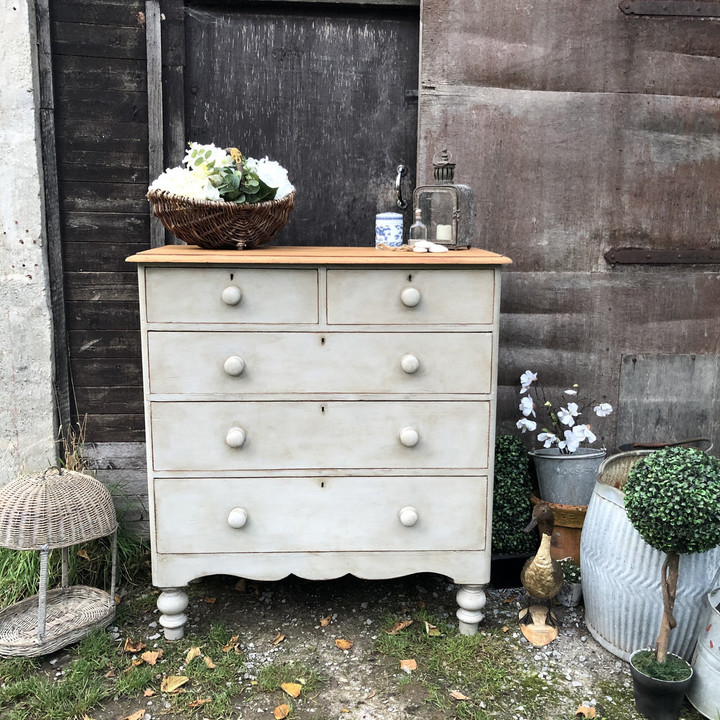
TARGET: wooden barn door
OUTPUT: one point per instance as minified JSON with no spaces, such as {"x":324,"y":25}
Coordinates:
{"x":327,"y":90}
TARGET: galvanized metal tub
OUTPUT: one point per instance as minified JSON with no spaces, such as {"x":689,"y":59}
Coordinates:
{"x":704,"y":692}
{"x":567,"y":479}
{"x":621,"y":581}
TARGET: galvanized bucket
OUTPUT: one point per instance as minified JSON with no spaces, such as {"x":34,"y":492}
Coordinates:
{"x":567,"y":479}
{"x":704,"y":693}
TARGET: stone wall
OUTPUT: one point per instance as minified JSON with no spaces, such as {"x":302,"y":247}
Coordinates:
{"x":26,"y":352}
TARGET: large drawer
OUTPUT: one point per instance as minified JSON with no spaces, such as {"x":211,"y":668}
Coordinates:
{"x":281,"y":363}
{"x":227,"y":295}
{"x":410,"y":297}
{"x":226,"y":515}
{"x":208,"y":436}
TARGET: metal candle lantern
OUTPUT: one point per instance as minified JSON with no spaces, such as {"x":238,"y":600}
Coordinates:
{"x":446,"y":208}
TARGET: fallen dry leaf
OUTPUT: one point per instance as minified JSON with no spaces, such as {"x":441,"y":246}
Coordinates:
{"x":292,"y":689}
{"x":458,"y":695}
{"x":117,"y":599}
{"x":149,"y":693}
{"x":136,"y":662}
{"x":505,"y":628}
{"x":408,"y":666}
{"x":139,"y":715}
{"x":398,"y":626}
{"x":209,"y":663}
{"x":277,"y":639}
{"x":281,"y":711}
{"x":344,"y":710}
{"x":241,"y":585}
{"x":110,"y":673}
{"x":432,"y":630}
{"x":210,"y":600}
{"x":151,"y":656}
{"x":232,"y":644}
{"x":585,"y":711}
{"x":421,"y":604}
{"x":171,"y":683}
{"x":192,"y":653}
{"x":509,"y":600}
{"x":133,"y":647}
{"x":343,"y":644}
{"x":199,"y":702}
{"x":326,"y":621}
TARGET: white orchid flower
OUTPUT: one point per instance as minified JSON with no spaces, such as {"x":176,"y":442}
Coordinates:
{"x":526,"y":380}
{"x":567,"y":415}
{"x":547,"y":438}
{"x":603,"y":409}
{"x":525,"y":424}
{"x":527,"y":407}
{"x":583,"y":432}
{"x":572,"y":441}
{"x":570,"y":392}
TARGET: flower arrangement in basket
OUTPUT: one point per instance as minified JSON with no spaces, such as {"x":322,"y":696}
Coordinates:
{"x":221,"y":199}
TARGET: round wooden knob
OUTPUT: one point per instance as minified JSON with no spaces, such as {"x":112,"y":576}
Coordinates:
{"x":237,"y":518}
{"x":231,"y":295}
{"x":410,"y":296}
{"x":408,"y":516}
{"x":409,"y":363}
{"x":234,"y":365}
{"x":235,"y":437}
{"x":409,"y":437}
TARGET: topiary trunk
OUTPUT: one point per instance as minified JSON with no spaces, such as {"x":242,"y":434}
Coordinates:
{"x":668,"y":582}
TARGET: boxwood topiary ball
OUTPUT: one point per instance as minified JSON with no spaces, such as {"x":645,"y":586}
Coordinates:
{"x":672,"y":498}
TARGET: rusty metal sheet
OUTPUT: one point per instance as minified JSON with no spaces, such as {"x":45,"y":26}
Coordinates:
{"x":694,"y":8}
{"x":560,"y":178}
{"x":570,"y":46}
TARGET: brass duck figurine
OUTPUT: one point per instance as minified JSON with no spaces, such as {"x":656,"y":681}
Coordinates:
{"x":542,"y":577}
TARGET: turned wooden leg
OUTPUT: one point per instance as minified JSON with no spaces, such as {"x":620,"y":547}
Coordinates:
{"x":471,"y":599}
{"x":172,"y":603}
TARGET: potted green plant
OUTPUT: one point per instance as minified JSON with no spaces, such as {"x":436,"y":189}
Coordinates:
{"x":566,"y":467}
{"x":571,"y":590}
{"x":511,"y":507}
{"x":672,"y":498}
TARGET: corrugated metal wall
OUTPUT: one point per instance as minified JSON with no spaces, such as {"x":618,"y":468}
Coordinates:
{"x":582,"y":129}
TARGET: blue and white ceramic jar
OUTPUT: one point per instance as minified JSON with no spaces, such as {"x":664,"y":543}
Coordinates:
{"x":389,"y":229}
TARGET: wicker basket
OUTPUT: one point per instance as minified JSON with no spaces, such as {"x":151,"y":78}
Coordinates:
{"x":217,"y":225}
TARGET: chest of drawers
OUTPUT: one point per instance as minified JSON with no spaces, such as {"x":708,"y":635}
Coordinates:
{"x":319,"y":411}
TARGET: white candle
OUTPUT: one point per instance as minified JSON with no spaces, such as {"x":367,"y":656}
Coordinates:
{"x":444,"y":232}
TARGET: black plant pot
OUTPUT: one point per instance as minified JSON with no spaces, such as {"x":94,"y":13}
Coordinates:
{"x":505,"y":570}
{"x":658,"y":699}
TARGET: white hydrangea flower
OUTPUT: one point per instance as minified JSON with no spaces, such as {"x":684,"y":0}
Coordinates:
{"x":272,"y":174}
{"x":206,"y":155}
{"x":185,"y":182}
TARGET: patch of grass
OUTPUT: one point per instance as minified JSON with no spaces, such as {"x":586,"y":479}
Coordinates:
{"x":271,"y":677}
{"x":479,"y":667}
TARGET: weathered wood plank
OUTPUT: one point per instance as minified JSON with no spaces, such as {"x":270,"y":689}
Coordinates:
{"x":96,"y":40}
{"x":122,"y":400}
{"x":101,"y":315}
{"x":103,"y":197}
{"x":100,"y":256}
{"x":116,"y":455}
{"x":572,"y":46}
{"x":115,"y":228}
{"x":155,"y":107}
{"x":102,"y":286}
{"x":96,"y":135}
{"x":103,"y":105}
{"x":111,"y":428}
{"x":99,"y":73}
{"x":105,"y":343}
{"x":101,"y":12}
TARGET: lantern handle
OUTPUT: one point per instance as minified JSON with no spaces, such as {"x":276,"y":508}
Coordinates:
{"x":401,"y":171}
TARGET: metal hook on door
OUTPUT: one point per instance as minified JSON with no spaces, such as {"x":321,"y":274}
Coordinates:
{"x":401,"y":171}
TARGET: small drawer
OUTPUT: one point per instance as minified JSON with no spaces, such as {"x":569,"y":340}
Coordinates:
{"x":294,"y":514}
{"x":410,"y":297}
{"x":197,"y":363}
{"x":227,"y":295}
{"x":228,"y":436}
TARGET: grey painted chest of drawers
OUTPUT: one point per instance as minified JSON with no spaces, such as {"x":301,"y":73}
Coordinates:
{"x":319,"y":411}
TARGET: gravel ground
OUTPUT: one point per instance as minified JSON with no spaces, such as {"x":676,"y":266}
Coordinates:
{"x":363,"y":684}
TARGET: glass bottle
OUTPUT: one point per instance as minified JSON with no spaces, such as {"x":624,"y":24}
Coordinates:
{"x":417,"y":231}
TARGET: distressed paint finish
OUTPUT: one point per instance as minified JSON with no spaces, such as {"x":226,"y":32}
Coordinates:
{"x":582,"y":129}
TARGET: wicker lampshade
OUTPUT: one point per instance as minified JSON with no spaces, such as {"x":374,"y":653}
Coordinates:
{"x":55,"y":509}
